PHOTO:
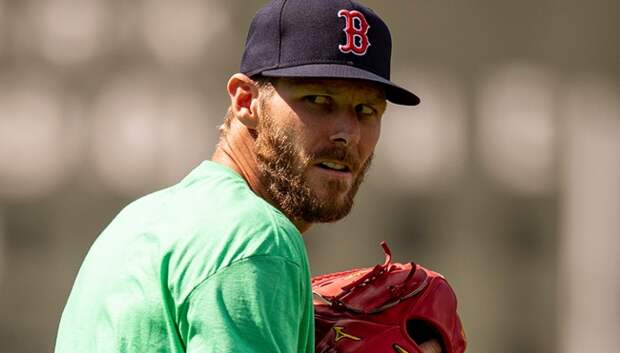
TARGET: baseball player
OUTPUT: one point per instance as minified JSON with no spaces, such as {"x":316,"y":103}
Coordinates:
{"x":216,"y":263}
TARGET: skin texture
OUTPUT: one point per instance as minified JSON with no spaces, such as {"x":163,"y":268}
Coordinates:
{"x":278,"y":139}
{"x":431,"y":347}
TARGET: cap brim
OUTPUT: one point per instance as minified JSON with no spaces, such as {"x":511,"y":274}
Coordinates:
{"x":393,"y":93}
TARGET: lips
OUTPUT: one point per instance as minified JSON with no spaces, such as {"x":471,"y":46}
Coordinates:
{"x":336,"y":161}
{"x":334,"y":165}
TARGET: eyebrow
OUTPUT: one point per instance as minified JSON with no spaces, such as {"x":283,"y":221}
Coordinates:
{"x":335,"y":88}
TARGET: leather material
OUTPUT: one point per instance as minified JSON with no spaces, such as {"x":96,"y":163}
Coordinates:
{"x":385,"y":309}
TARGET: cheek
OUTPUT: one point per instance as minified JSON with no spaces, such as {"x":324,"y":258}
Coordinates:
{"x":286,"y":120}
{"x":307,"y":132}
{"x":370,"y":138}
{"x":301,"y":136}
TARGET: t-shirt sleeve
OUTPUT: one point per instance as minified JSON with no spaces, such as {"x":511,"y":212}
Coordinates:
{"x":254,"y":305}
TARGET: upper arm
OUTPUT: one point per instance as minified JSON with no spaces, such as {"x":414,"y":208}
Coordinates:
{"x":253,"y":305}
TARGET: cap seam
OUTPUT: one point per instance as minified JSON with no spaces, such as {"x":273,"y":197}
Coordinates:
{"x":319,"y":62}
{"x":280,"y":32}
{"x":263,"y":69}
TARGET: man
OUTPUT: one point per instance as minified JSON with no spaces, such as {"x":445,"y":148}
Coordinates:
{"x":216,"y":263}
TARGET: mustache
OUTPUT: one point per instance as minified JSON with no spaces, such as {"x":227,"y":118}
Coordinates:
{"x":341,"y":154}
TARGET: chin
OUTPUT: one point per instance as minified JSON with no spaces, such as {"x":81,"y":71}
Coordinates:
{"x":328,"y":215}
{"x":329,"y":208}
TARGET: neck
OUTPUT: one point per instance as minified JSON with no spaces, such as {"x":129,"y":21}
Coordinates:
{"x":236,"y":151}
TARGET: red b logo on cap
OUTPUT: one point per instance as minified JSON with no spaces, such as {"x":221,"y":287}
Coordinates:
{"x":356,"y":30}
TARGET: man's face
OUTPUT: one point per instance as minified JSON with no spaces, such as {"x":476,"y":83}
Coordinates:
{"x":315,"y":142}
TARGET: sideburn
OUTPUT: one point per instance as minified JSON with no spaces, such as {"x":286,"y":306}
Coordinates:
{"x":281,"y":170}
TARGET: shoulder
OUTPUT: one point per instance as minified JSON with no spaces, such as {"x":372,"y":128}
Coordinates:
{"x":222,"y":208}
{"x":214,"y":220}
{"x":250,"y":227}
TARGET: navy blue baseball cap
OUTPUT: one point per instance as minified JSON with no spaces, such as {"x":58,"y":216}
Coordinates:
{"x":322,"y":39}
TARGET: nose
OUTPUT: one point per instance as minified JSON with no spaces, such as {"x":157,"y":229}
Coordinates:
{"x":346,"y":129}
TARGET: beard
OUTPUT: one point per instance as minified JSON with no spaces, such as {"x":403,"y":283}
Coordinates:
{"x":282,"y":164}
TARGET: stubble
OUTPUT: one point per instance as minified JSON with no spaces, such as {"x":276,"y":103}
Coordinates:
{"x":282,"y":164}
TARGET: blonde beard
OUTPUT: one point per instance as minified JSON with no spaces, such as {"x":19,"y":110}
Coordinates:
{"x":282,"y":164}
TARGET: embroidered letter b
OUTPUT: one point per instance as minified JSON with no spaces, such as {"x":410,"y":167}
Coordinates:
{"x":356,"y":29}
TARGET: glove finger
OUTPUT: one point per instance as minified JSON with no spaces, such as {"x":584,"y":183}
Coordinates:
{"x":326,"y":350}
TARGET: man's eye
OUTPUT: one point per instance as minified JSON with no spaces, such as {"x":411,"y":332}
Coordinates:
{"x":322,"y":100}
{"x":364,"y":109}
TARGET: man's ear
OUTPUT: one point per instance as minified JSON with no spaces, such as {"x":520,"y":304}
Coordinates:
{"x":243,"y":93}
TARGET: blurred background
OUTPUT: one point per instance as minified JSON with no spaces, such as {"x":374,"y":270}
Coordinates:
{"x":506,"y":178}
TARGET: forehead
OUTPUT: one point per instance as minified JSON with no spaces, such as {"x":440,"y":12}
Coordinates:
{"x":334,"y":86}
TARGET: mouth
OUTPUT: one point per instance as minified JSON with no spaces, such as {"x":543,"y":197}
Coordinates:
{"x":335,"y":167}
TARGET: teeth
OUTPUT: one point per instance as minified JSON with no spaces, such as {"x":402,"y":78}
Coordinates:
{"x":333,"y":165}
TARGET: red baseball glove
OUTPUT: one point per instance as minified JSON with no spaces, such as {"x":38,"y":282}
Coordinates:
{"x":391,"y":308}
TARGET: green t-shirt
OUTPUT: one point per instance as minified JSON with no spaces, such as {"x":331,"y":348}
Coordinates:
{"x":203,"y":266}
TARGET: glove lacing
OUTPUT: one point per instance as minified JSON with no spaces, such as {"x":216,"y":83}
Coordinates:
{"x":396,"y":291}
